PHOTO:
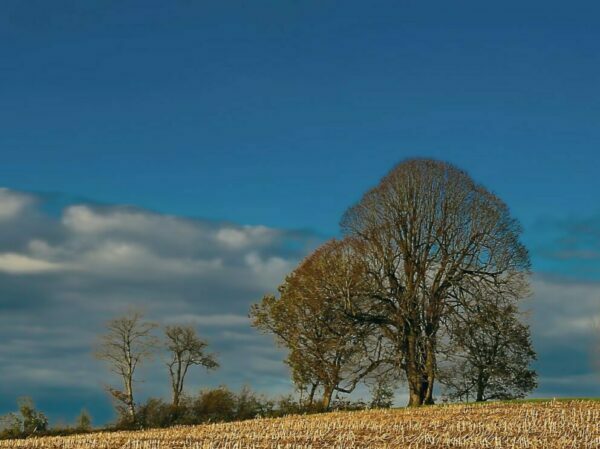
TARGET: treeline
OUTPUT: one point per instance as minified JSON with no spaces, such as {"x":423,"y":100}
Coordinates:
{"x":208,"y":406}
{"x":222,"y":405}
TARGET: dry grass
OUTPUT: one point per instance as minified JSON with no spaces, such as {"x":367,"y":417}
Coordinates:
{"x":537,"y":425}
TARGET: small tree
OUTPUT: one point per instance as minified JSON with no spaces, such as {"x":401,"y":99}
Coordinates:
{"x":186,"y":349}
{"x":83,"y":423}
{"x":489,"y":353}
{"x":33,"y":421}
{"x":381,"y":387}
{"x":127,"y":343}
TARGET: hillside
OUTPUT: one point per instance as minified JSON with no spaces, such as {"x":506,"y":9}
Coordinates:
{"x":543,"y":425}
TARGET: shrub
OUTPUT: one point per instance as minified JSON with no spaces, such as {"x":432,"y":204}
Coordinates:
{"x":155,"y":413}
{"x":215,"y":405}
{"x":11,"y":426}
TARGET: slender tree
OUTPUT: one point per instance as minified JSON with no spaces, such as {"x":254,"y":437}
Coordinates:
{"x":186,"y":349}
{"x":428,"y":233}
{"x":127,"y":343}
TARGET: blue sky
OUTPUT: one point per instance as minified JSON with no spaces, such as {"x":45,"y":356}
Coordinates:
{"x":279,"y":115}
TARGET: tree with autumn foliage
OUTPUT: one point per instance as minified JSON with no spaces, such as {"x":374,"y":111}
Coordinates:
{"x":328,"y":350}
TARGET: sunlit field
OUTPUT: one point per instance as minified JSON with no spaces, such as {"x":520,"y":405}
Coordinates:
{"x":547,"y":425}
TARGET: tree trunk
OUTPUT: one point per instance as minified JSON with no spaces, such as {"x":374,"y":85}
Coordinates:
{"x":415,"y":386}
{"x":430,"y":365}
{"x":420,"y":376}
{"x":327,"y":393}
{"x":480,"y":388}
{"x":130,"y":400}
{"x":311,"y":396}
{"x":413,"y":372}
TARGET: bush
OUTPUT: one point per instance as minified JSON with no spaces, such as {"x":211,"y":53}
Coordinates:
{"x":155,"y":413}
{"x":347,"y":405}
{"x":215,"y":405}
{"x":11,"y":426}
{"x":249,"y":405}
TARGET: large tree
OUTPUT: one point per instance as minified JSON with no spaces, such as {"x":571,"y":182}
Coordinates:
{"x":327,"y":349}
{"x":127,"y":343}
{"x":186,"y":349}
{"x":428,"y":234}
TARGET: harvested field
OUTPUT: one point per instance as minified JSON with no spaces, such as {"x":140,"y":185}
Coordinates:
{"x":537,"y":425}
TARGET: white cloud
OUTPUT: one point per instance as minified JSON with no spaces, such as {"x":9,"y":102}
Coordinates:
{"x":87,"y":220}
{"x":271,"y":270}
{"x":235,"y":238}
{"x":123,"y":259}
{"x":217,"y":320}
{"x":242,"y":237}
{"x":12,"y":204}
{"x":22,"y":264}
{"x":564,"y":309}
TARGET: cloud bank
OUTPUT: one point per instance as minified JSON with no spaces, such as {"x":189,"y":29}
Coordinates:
{"x":63,"y":275}
{"x":66,"y":270}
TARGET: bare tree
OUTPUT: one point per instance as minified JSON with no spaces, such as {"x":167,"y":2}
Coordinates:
{"x":186,"y":349}
{"x":327,"y":350}
{"x":128,"y":342}
{"x":427,"y":234}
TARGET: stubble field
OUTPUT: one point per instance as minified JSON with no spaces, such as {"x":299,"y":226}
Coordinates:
{"x":536,"y":425}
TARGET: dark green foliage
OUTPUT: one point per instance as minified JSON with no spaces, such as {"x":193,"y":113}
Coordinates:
{"x":339,"y":404}
{"x":249,"y":405}
{"x":215,"y":405}
{"x":490,"y":355}
{"x":287,"y":405}
{"x":382,"y":393}
{"x":156,"y":413}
